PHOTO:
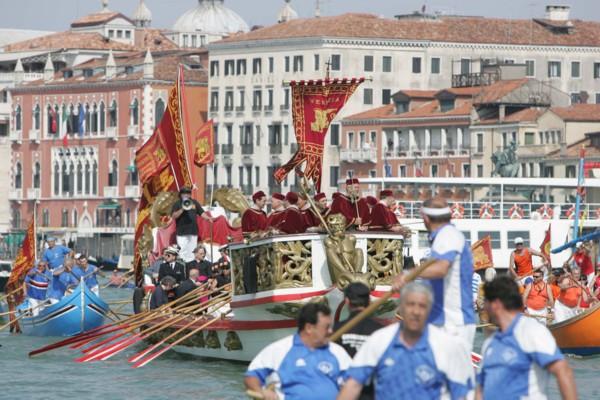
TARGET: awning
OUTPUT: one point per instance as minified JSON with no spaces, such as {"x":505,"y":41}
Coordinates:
{"x":109,"y":205}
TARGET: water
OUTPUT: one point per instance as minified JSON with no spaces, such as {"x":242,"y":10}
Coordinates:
{"x":54,"y":375}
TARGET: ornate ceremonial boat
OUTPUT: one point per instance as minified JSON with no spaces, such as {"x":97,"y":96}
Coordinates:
{"x":579,"y":335}
{"x":75,"y":313}
{"x":273,"y":277}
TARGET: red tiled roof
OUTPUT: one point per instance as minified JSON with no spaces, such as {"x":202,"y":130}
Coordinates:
{"x":374,"y":113}
{"x":579,"y":112}
{"x":497,"y":90}
{"x":526,"y":115}
{"x":70,"y":40}
{"x":153,"y":39}
{"x":573,"y":150}
{"x":430,"y":109}
{"x":98,"y":18}
{"x":463,"y":91}
{"x":418,"y":94}
{"x":445,"y":29}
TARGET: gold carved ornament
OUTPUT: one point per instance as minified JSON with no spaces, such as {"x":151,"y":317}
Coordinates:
{"x":385,"y":259}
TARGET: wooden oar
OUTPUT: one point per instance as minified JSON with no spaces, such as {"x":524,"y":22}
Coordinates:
{"x":122,"y":276}
{"x":412,"y":275}
{"x":7,"y":312}
{"x":7,"y":295}
{"x":24,"y":314}
{"x":119,"y":302}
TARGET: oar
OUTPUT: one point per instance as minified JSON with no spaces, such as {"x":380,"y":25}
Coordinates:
{"x":122,"y":276}
{"x":153,"y":356}
{"x":412,"y":275}
{"x":7,"y":312}
{"x":119,"y":302}
{"x":24,"y":314}
{"x":7,"y":295}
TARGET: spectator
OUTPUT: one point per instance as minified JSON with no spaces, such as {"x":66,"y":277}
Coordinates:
{"x":184,"y":213}
{"x":163,"y":293}
{"x":191,"y":283}
{"x":55,"y":254}
{"x":568,"y":303}
{"x":583,"y":260}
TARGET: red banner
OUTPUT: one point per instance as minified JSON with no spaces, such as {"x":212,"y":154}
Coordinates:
{"x":482,"y":254}
{"x":24,"y":261}
{"x":546,"y":246}
{"x":204,"y":145}
{"x":314,"y":105}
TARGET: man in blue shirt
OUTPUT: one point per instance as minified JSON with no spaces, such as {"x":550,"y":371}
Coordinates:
{"x":55,"y":254}
{"x":62,"y":278}
{"x":37,"y":282}
{"x":87,"y":272}
{"x":520,"y":356}
{"x":450,"y":275}
{"x":301,"y":366}
{"x":411,"y":359}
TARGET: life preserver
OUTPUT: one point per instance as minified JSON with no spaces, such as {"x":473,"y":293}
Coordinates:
{"x":571,"y":213}
{"x":458,"y":211}
{"x":546,"y":212}
{"x":516,"y":212}
{"x":486,"y":211}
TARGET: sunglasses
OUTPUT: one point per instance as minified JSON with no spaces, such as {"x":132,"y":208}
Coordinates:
{"x":537,"y":276}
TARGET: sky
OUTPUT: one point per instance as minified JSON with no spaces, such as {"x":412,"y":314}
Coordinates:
{"x":56,"y":15}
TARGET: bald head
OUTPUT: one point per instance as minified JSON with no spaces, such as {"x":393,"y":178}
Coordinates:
{"x":194,"y":273}
{"x":435,"y":211}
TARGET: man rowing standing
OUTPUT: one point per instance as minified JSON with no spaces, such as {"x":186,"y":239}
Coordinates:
{"x":55,"y":254}
{"x":411,"y":359}
{"x":520,"y":265}
{"x":37,"y":281}
{"x":538,"y":297}
{"x":301,"y":366}
{"x":450,"y":274}
{"x":520,"y":356}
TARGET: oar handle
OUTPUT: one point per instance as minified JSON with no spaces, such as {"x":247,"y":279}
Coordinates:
{"x":253,"y":394}
{"x":412,"y":275}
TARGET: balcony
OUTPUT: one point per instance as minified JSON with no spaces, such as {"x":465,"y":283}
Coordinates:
{"x":133,"y":131}
{"x":111,"y":132}
{"x":132,"y":191}
{"x":34,"y":135}
{"x":358,"y":155}
{"x":228,"y":108}
{"x":227,"y":148}
{"x":256,"y":108}
{"x":111,"y":192}
{"x":33,"y":193}
{"x":247,"y":189}
{"x":15,"y":194}
{"x":474,"y":79}
{"x":16,"y":136}
{"x":275,"y":148}
{"x":248,"y":148}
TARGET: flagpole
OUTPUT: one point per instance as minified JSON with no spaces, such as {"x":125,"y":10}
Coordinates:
{"x":578,"y":195}
{"x":35,"y":244}
{"x":184,"y":123}
{"x":212,"y":192}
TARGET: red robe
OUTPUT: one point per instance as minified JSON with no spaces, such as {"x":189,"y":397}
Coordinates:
{"x":309,"y":217}
{"x":254,"y":220}
{"x":275,"y":218}
{"x":293,"y":221}
{"x":382,"y":218}
{"x":342,"y":204}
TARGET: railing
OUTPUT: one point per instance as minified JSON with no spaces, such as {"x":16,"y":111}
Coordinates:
{"x":256,"y":108}
{"x":240,"y":108}
{"x":284,"y":107}
{"x":474,"y":79}
{"x":111,"y":132}
{"x":133,"y":130}
{"x":275,"y":148}
{"x":132,"y":191}
{"x":268,"y":108}
{"x":227,"y":148}
{"x":33,"y":193}
{"x":15,"y":194}
{"x":248,"y":148}
{"x":275,"y":188}
{"x":111,"y":192}
{"x":359,"y":155}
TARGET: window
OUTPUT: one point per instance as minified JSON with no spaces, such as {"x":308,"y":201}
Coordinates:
{"x":159,"y":111}
{"x":435,"y":65}
{"x":350,"y":143}
{"x":570,"y":171}
{"x":257,"y":100}
{"x":36,"y":175}
{"x":286,"y":62}
{"x":46,"y":217}
{"x":316,"y":62}
{"x":334,"y":133}
{"x":214,"y":68}
{"x":298,"y":63}
{"x":271,"y":65}
{"x":494,"y":236}
{"x":368,"y":96}
{"x":575,"y":69}
{"x":79,"y":178}
{"x":553,"y":69}
{"x":386,"y":96}
{"x":373,"y":138}
{"x":576,"y":98}
{"x":95,"y":178}
{"x":229,"y":100}
{"x":120,"y":35}
{"x":334,"y":176}
{"x":113,"y":173}
{"x":18,"y":176}
{"x":111,"y":33}
{"x":386,"y":64}
{"x":480,"y":171}
{"x":368,"y":64}
{"x":36,"y":117}
{"x":597,"y":70}
{"x":480,"y":142}
{"x":214,"y":101}
{"x":466,"y":170}
{"x":512,"y":235}
{"x":530,"y":68}
{"x":336,"y":65}
{"x":112,"y":114}
{"x":434,"y":171}
{"x":56,"y":179}
{"x":401,"y":171}
{"x":269,"y":105}
{"x":242,"y":98}
{"x":256,"y":66}
{"x":128,"y":35}
{"x":229,"y":67}
{"x":416,"y":65}
{"x":134,"y":113}
{"x":529,"y":138}
{"x":241,"y":175}
{"x":18,"y":120}
{"x":102,"y":117}
{"x":548,"y":172}
{"x":257,"y":176}
{"x":597,"y":98}
{"x":446,"y":105}
{"x":465,"y":66}
{"x":241,"y":67}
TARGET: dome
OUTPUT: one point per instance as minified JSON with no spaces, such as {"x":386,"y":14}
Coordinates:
{"x":142,"y":15}
{"x":287,"y":13}
{"x":212,"y":17}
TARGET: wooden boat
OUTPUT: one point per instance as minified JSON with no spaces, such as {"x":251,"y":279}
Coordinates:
{"x":75,"y":313}
{"x":579,"y":335}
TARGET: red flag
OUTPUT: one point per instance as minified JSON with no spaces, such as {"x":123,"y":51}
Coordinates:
{"x":24,"y":262}
{"x":203,"y":146}
{"x":54,"y":122}
{"x":546,"y":246}
{"x":65,"y":140}
{"x":315,"y":105}
{"x":482,"y":254}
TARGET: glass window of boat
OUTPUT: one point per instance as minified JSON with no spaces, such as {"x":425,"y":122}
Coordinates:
{"x":494,"y":235}
{"x":511,"y":235}
{"x":423,"y":239}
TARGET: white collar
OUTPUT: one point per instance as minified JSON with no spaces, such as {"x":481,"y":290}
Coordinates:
{"x":293,"y":206}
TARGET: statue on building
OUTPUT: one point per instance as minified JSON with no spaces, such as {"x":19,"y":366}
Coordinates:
{"x":505,"y":162}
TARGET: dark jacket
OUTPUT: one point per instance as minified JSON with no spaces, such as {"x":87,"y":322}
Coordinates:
{"x":178,"y":271}
{"x":160,"y":297}
{"x":203,"y":266}
{"x":185,"y":287}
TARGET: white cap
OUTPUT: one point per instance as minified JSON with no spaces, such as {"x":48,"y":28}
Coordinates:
{"x":519,"y":240}
{"x":579,"y":244}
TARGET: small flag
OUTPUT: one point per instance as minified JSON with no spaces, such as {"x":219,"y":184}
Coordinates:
{"x":54,"y":122}
{"x":65,"y":119}
{"x":203,"y":145}
{"x":482,"y":254}
{"x":81,"y":120}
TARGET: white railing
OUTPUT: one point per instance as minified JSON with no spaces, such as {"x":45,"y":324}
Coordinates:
{"x":33,"y":193}
{"x":132,"y":191}
{"x":34,"y":135}
{"x":358,"y":155}
{"x":111,"y":132}
{"x":15,"y":194}
{"x":33,"y":76}
{"x":111,"y":191}
{"x":133,"y":130}
{"x":16,"y":136}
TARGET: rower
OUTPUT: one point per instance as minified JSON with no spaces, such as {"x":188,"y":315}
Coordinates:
{"x":568,"y":303}
{"x":450,"y":274}
{"x":301,"y":366}
{"x":254,"y":218}
{"x":87,"y":272}
{"x":519,"y":357}
{"x":277,"y":209}
{"x":538,"y":297}
{"x":62,"y":279}
{"x":583,"y":260}
{"x":521,"y":260}
{"x":55,"y":254}
{"x":411,"y":359}
{"x":351,"y":205}
{"x":37,"y":282}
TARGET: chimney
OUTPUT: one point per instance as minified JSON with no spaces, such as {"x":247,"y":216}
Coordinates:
{"x":48,"y":69}
{"x":148,"y":66}
{"x":19,"y":72}
{"x":501,"y":113}
{"x":111,"y":66}
{"x":557,"y":12}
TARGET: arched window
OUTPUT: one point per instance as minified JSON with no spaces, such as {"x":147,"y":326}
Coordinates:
{"x":36,"y":175}
{"x":56,"y":179}
{"x":64,"y":220}
{"x":79,"y":178}
{"x":95,"y":118}
{"x":159,"y":110}
{"x":65,"y":178}
{"x":72,"y":123}
{"x":46,"y":217}
{"x":113,"y":174}
{"x":36,"y":117}
{"x":18,"y":119}
{"x":134,"y":113}
{"x":63,"y":118}
{"x":75,"y":220}
{"x":112,"y":114}
{"x":71,"y":179}
{"x":88,"y":119}
{"x":133,"y":175}
{"x":128,"y":217}
{"x":16,"y":219}
{"x":51,"y":125}
{"x":87,"y":177}
{"x":95,"y":178}
{"x":102,"y":117}
{"x":18,"y":176}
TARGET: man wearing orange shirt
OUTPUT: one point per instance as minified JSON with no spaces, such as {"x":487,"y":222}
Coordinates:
{"x":571,"y":294}
{"x":538,"y":297}
{"x":520,"y":265}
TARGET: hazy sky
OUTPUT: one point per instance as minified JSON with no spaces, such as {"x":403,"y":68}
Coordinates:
{"x":56,"y":15}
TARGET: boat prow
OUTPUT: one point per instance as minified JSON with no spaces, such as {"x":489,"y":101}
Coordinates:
{"x":579,"y":335}
{"x":75,"y":313}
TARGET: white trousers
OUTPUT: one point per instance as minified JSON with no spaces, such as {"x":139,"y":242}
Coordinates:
{"x":35,"y":306}
{"x":52,"y":300}
{"x":465,"y":334}
{"x":96,"y":290}
{"x":187,"y":244}
{"x":538,"y":313}
{"x":562,"y":312}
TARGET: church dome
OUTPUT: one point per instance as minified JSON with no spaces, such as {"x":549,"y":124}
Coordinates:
{"x":142,"y":15}
{"x":211,"y":17}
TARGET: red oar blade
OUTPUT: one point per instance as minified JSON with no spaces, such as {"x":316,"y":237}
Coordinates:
{"x":98,"y":353}
{"x":151,"y":357}
{"x":69,"y":341}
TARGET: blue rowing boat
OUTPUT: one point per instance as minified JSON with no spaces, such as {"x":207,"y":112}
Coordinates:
{"x":75,"y":313}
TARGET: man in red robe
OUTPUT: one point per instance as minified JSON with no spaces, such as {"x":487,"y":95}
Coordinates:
{"x":371,"y":202}
{"x":293,"y":220}
{"x":255,"y":219}
{"x":277,"y":209}
{"x":382,"y":217}
{"x":321,"y":203}
{"x":350,"y":205}
{"x":306,"y":210}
